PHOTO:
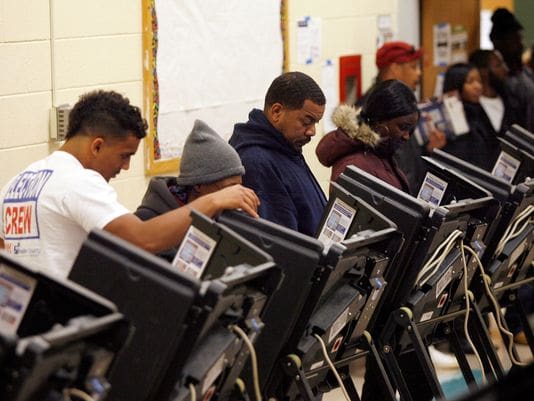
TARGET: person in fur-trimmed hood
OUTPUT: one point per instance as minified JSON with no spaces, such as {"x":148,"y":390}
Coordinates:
{"x":368,"y":137}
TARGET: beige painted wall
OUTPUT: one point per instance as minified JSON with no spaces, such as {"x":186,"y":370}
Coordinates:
{"x":348,"y":27}
{"x":92,"y":48}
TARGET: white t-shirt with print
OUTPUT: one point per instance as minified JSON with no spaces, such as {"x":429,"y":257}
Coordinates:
{"x":494,"y":108}
{"x":49,"y":208}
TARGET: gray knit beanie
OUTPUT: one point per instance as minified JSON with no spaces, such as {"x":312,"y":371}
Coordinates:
{"x":207,"y":157}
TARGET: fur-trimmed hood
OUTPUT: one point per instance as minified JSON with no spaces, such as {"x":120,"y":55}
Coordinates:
{"x":345,"y":117}
{"x":348,"y":138}
{"x":356,"y":144}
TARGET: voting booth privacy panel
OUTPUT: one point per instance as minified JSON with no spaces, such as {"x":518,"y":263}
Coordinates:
{"x":507,"y":261}
{"x":427,"y":285}
{"x":426,"y":225}
{"x":154,"y":298}
{"x":304,"y":266}
{"x":251,"y":279}
{"x":329,"y":292}
{"x":510,"y":250}
{"x":248,"y":306}
{"x":184,"y":341}
{"x":353,"y":293}
{"x":54,"y":336}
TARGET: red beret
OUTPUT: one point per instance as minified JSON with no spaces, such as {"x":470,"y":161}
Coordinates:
{"x":396,"y":52}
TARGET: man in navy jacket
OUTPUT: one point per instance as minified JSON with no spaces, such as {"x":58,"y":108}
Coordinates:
{"x":270,"y":146}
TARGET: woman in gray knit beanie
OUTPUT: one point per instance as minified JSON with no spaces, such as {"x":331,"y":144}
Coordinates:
{"x":208,"y":164}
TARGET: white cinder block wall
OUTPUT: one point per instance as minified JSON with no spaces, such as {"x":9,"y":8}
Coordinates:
{"x":97,"y":44}
{"x":349,"y":27}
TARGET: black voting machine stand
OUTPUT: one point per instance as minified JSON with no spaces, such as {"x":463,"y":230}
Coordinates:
{"x":184,"y":342}
{"x":242,"y":281}
{"x":330,"y":292}
{"x":305,"y":270}
{"x":521,"y":138}
{"x":516,"y":385}
{"x":424,"y":307}
{"x":516,"y":152}
{"x":154,"y":298}
{"x":507,"y":263}
{"x":56,"y":337}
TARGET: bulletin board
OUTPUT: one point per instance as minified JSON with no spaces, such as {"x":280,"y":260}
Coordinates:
{"x":206,"y":59}
{"x":454,"y":13}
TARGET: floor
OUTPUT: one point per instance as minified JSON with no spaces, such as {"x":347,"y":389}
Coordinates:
{"x":445,"y":375}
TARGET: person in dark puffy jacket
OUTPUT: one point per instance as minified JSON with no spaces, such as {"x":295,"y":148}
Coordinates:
{"x":208,"y":164}
{"x":368,"y":138}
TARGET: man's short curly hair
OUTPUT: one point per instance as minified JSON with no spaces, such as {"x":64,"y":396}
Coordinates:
{"x":292,"y":89}
{"x":107,"y":114}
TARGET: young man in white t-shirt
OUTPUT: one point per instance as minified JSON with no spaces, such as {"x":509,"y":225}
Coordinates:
{"x":48,"y":209}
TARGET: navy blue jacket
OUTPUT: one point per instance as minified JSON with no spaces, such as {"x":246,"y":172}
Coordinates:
{"x":289,"y":193}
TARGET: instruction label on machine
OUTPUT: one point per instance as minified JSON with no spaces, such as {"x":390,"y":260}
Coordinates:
{"x":432,"y":189}
{"x":506,"y":167}
{"x":16,"y":290}
{"x":337,"y":223}
{"x":426,"y":316}
{"x":194,"y":252}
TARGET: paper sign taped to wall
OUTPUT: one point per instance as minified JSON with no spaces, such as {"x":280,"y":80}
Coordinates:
{"x":308,"y":40}
{"x":442,"y":44}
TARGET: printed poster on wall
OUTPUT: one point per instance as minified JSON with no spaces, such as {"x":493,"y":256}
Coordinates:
{"x":384,"y":24}
{"x":458,"y":44}
{"x":330,"y":87}
{"x":308,"y":40}
{"x":442,"y":44}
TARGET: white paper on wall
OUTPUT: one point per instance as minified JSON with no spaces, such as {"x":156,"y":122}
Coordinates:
{"x":442,"y":44}
{"x":215,"y":59}
{"x":458,"y":44}
{"x":308,"y":40}
{"x":485,"y":29}
{"x":384,"y":23}
{"x":330,"y":86}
